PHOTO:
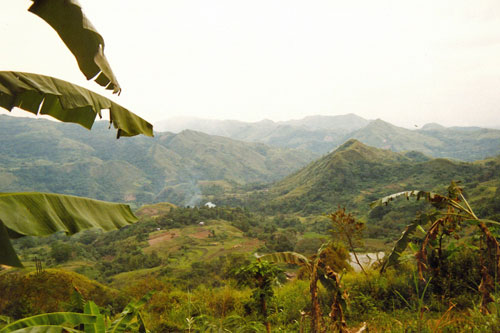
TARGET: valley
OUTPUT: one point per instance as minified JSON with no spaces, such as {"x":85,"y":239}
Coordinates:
{"x":264,"y":200}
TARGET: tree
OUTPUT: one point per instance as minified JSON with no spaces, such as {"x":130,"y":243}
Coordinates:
{"x":260,"y":275}
{"x":350,"y":231}
{"x":60,"y":251}
{"x":39,"y":214}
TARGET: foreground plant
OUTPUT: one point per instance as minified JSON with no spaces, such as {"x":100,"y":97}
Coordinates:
{"x":38,"y":214}
{"x":260,"y":275}
{"x":318,"y":271}
{"x":91,"y":320}
{"x":349,"y":230}
{"x":451,"y":213}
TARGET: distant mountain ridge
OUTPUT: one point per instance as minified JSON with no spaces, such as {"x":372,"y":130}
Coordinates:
{"x":47,"y":156}
{"x":347,"y":122}
{"x":322,"y":134}
{"x":318,"y":134}
{"x":462,"y":143}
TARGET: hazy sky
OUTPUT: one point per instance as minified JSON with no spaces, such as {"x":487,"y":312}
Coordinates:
{"x":407,"y":62}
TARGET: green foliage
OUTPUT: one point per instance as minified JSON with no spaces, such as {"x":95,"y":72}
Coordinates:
{"x":354,"y":175}
{"x":50,"y":322}
{"x":25,"y":294}
{"x":60,"y":252}
{"x":260,"y":275}
{"x":405,"y":239}
{"x":66,"y":102}
{"x":49,"y":213}
{"x":93,"y":322}
{"x":446,"y":221}
{"x":91,"y":308}
{"x":79,"y":35}
{"x":348,"y":230}
{"x":335,"y":256}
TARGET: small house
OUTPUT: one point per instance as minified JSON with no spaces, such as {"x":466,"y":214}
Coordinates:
{"x":210,"y":204}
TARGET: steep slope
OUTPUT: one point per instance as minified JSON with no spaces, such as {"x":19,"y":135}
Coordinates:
{"x":41,"y":155}
{"x":356,"y":174}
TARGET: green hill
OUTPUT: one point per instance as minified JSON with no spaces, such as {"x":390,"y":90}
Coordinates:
{"x":462,"y":143}
{"x":42,"y":155}
{"x":355,"y":175}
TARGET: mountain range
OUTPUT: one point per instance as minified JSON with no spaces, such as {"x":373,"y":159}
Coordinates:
{"x":186,"y":167}
{"x":47,"y":156}
{"x":322,"y":134}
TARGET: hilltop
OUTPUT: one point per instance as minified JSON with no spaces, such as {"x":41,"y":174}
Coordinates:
{"x":356,"y":174}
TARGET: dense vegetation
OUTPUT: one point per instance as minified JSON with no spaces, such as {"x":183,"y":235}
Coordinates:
{"x":355,"y":175}
{"x":205,"y":279}
{"x":272,"y":261}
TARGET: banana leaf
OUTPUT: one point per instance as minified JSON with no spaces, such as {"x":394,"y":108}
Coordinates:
{"x":293,"y":258}
{"x":82,"y":39}
{"x":407,"y":194}
{"x":40,"y":94}
{"x":476,"y":222}
{"x":46,"y":329}
{"x":8,"y":255}
{"x":130,"y":317}
{"x":98,"y":326}
{"x":58,"y":319}
{"x":4,"y":320}
{"x":435,"y":199}
{"x":404,"y":240}
{"x":39,"y":214}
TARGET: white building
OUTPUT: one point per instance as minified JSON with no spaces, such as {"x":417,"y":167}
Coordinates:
{"x":210,"y":204}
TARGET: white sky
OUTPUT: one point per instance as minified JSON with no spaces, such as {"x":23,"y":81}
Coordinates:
{"x":407,"y":62}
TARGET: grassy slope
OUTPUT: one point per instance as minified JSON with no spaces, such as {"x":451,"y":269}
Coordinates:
{"x":48,"y":291}
{"x":356,"y":174}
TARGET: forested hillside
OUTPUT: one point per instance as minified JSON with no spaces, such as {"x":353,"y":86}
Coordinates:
{"x":41,"y":155}
{"x":355,"y":174}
